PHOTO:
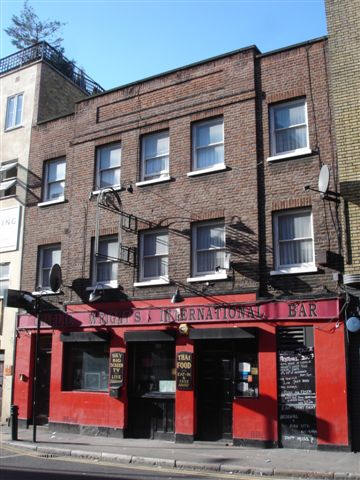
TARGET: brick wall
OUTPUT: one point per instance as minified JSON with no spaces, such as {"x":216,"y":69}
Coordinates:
{"x":237,"y":87}
{"x":57,"y":94}
{"x":343,"y":20}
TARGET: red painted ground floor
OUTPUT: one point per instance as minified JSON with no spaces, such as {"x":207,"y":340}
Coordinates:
{"x":225,"y":367}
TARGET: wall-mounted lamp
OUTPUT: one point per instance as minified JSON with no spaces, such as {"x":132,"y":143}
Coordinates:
{"x":97,"y":293}
{"x":176,"y":298}
{"x":184,"y":328}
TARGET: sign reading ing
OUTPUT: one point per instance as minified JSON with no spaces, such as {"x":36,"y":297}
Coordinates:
{"x":9,"y":228}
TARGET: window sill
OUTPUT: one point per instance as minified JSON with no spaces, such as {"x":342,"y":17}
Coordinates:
{"x":84,"y":390}
{"x":206,"y":278}
{"x":103,"y":286}
{"x":114,"y":187}
{"x":149,"y":283}
{"x":10,"y":129}
{"x":217,"y":168}
{"x":51,"y":202}
{"x":46,"y":291}
{"x":153,"y":181}
{"x":8,"y":196}
{"x":298,"y":153}
{"x":294,"y":270}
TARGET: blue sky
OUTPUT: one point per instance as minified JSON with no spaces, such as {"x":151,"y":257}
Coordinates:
{"x":118,"y":41}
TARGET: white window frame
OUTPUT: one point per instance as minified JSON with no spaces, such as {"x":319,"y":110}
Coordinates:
{"x":6,"y":181}
{"x":14,"y":124}
{"x":47,"y":182}
{"x":98,"y":259}
{"x":290,"y":153}
{"x":4,"y":279}
{"x":155,"y":280}
{"x":210,"y":275}
{"x":163,"y":174}
{"x":42,"y":249}
{"x":296,"y":267}
{"x":99,"y":149}
{"x":218,"y":166}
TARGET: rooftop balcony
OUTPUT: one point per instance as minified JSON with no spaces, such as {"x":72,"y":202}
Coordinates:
{"x":45,"y":52}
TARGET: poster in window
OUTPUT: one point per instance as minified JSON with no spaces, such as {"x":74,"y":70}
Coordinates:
{"x":184,"y":371}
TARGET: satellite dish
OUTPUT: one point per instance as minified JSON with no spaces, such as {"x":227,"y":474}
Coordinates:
{"x":353,"y":324}
{"x":324,"y":178}
{"x":55,"y":277}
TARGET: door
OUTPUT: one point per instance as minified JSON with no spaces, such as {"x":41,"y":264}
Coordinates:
{"x":44,"y":366}
{"x":354,"y":393}
{"x":296,"y":388}
{"x":215,"y":388}
{"x":151,"y":390}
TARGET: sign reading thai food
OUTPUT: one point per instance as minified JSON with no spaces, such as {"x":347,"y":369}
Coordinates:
{"x":184,"y":371}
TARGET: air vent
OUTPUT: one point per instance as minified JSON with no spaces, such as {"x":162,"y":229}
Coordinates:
{"x":352,"y":279}
{"x":294,"y":337}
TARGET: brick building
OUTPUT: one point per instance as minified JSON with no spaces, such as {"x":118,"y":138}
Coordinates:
{"x":344,"y":75}
{"x":36,"y":84}
{"x":198,"y":293}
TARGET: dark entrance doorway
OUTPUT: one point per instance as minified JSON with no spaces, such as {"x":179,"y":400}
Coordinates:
{"x":215,"y":389}
{"x":354,"y":393}
{"x":218,"y":368}
{"x":151,"y":390}
{"x":43,"y":396}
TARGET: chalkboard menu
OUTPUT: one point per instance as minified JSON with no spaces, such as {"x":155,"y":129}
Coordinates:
{"x":297,"y":398}
{"x":116,"y":374}
{"x":184,"y":371}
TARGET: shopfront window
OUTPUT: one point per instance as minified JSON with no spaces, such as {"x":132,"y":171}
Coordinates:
{"x":86,"y":366}
{"x":153,"y":368}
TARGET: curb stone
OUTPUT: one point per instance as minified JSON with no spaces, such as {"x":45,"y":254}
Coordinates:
{"x":157,"y":462}
{"x":235,"y":469}
{"x":65,"y":452}
{"x":185,"y":464}
{"x":116,"y":457}
{"x":88,"y":455}
{"x":266,"y":472}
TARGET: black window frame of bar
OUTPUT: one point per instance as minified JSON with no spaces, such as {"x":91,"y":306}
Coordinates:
{"x":68,"y":365}
{"x":137,"y":353}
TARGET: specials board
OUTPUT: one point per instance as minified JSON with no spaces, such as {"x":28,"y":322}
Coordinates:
{"x":184,"y":371}
{"x":297,"y":398}
{"x":116,"y":370}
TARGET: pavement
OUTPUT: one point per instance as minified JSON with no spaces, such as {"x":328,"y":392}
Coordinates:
{"x":200,"y":456}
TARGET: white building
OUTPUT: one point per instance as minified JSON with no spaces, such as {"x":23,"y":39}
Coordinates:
{"x":36,"y":84}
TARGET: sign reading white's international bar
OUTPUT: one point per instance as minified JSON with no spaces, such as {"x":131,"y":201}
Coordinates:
{"x":307,"y":310}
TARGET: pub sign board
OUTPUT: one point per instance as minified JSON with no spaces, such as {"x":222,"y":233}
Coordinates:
{"x":116,"y":374}
{"x":184,"y":371}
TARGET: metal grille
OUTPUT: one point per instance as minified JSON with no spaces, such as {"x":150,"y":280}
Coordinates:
{"x":44,"y":51}
{"x":291,"y":337}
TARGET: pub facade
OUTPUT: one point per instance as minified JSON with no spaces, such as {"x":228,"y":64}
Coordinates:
{"x":198,"y":296}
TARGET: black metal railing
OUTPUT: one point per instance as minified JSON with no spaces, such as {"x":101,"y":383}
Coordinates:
{"x":44,"y":51}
